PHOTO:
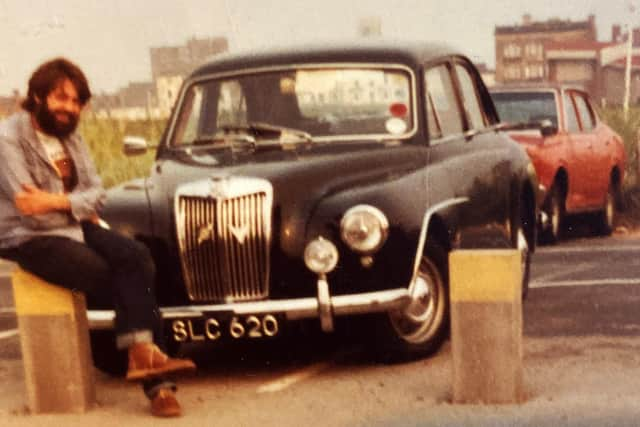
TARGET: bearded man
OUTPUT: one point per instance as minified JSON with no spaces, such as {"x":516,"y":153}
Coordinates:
{"x":50,"y":200}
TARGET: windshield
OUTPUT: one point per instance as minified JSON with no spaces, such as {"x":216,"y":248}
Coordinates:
{"x":518,"y":107}
{"x":327,"y":102}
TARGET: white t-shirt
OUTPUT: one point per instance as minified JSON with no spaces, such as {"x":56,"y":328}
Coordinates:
{"x":59,"y":158}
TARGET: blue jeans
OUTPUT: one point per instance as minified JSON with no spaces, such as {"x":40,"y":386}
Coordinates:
{"x":111,"y":270}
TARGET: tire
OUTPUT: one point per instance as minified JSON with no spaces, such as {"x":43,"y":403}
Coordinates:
{"x":555,"y":210}
{"x":421,"y":328}
{"x":106,"y":356}
{"x":608,"y":214}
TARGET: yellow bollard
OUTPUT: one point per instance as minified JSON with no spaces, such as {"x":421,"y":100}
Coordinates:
{"x":54,"y":338}
{"x":486,"y":326}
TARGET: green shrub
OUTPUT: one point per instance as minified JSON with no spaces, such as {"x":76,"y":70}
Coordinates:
{"x":628,"y":131}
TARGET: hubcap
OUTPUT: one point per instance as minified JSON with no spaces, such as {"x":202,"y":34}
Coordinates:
{"x":419,"y":321}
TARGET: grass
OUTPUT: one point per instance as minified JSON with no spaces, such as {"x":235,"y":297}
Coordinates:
{"x":104,"y":138}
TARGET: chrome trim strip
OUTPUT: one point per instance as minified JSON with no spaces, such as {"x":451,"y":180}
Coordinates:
{"x":381,"y":65}
{"x":294,"y":309}
{"x":425,"y":229}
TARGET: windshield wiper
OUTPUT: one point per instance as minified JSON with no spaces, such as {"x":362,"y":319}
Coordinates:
{"x":223,"y":140}
{"x":269,"y":131}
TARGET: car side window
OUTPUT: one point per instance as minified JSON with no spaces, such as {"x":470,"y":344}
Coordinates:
{"x":584,"y":112}
{"x":570,"y":114}
{"x":443,"y":114}
{"x":470,"y":100}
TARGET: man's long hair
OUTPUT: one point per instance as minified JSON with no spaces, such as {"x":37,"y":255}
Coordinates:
{"x":45,"y":78}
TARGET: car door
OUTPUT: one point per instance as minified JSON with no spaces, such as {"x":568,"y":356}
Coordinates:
{"x":466,"y":160}
{"x":598,"y":174}
{"x":579,"y":158}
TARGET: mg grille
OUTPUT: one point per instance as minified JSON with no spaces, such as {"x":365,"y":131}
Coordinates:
{"x":224,"y":246}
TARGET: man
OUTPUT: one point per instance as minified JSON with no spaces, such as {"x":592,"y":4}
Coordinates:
{"x":50,"y":198}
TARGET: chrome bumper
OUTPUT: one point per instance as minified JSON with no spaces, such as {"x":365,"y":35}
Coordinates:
{"x":324,"y":307}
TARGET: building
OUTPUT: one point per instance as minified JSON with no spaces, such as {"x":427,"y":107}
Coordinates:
{"x":136,"y":101}
{"x":9,"y":104}
{"x":567,"y":52}
{"x":488,"y":75}
{"x":520,"y":49}
{"x":170,"y":65}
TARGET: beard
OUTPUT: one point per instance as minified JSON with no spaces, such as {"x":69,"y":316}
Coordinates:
{"x":51,"y":125}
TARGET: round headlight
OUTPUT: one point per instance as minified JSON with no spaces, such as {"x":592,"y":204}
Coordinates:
{"x":321,"y":256}
{"x":364,"y":228}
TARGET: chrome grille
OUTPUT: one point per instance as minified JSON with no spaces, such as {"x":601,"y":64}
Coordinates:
{"x":224,"y":242}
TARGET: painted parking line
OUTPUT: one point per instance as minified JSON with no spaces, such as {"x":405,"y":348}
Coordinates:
{"x":562,"y":272}
{"x":288,"y":380}
{"x":582,"y":249}
{"x":598,"y":282}
{"x":8,"y":334}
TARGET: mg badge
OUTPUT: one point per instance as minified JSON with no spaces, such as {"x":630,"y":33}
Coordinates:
{"x":240,"y":232}
{"x":205,"y":232}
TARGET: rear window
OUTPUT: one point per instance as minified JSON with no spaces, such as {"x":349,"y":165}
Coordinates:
{"x":517,"y":107}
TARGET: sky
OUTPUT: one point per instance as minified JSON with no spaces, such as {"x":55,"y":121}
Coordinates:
{"x":110,"y":39}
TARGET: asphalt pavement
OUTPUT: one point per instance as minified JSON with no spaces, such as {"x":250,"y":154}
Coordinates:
{"x":581,"y":341}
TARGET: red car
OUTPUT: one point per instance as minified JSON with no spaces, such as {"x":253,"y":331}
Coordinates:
{"x":580,"y":161}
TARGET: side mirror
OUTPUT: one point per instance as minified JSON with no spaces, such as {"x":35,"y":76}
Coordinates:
{"x":134,"y":145}
{"x":547,"y":128}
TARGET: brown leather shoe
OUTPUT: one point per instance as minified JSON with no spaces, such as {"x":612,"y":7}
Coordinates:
{"x":165,"y":404}
{"x":146,"y":361}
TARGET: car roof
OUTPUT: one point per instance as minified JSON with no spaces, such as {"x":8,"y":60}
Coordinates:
{"x":412,"y":54}
{"x":535,"y":86}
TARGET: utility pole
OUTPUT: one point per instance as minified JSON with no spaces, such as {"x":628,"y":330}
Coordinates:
{"x":627,"y":70}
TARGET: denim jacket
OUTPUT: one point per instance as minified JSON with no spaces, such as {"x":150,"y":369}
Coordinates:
{"x":24,"y":161}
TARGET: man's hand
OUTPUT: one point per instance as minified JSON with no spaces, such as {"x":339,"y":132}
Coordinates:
{"x":33,"y":201}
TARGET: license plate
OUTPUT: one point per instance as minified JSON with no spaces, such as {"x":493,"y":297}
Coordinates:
{"x":216,"y":327}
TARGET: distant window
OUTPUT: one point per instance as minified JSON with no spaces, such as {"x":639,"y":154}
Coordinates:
{"x":470,"y":101}
{"x":584,"y":112}
{"x":570,"y":113}
{"x":512,"y":50}
{"x":442,"y":108}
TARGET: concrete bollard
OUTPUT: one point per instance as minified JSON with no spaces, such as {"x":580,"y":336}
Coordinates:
{"x":54,"y":338}
{"x":486,"y":326}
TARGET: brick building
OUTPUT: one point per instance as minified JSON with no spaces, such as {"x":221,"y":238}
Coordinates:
{"x":520,"y":49}
{"x":568,"y":52}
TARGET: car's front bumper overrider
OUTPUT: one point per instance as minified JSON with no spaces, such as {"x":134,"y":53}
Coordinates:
{"x":324,"y":307}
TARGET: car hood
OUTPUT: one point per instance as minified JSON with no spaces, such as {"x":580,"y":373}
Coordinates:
{"x":301,"y":179}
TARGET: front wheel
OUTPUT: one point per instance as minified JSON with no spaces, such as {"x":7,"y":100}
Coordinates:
{"x":555,"y":211}
{"x":419,"y":329}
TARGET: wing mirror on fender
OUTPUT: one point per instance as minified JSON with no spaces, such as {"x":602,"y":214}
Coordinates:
{"x":547,"y":128}
{"x":135,"y":145}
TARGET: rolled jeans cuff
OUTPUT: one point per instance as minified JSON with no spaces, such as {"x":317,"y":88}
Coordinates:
{"x":124,"y":341}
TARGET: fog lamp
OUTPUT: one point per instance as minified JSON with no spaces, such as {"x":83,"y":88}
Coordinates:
{"x":320,"y":256}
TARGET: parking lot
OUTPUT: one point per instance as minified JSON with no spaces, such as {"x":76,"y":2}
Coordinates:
{"x":581,"y":361}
